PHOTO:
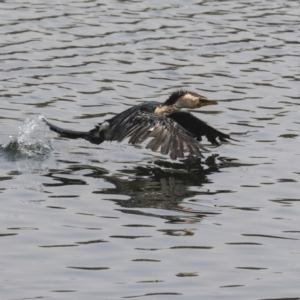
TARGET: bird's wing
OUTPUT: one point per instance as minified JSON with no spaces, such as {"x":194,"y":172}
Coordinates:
{"x":167,"y":135}
{"x":198,"y":128}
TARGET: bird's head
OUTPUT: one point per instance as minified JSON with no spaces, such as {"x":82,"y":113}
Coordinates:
{"x":184,"y":99}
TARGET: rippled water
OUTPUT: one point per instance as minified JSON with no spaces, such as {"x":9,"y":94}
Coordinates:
{"x":80,"y":221}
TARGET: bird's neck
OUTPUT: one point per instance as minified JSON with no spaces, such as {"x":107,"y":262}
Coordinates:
{"x":165,"y":110}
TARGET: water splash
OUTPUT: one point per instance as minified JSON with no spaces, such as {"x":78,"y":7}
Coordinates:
{"x":32,"y":142}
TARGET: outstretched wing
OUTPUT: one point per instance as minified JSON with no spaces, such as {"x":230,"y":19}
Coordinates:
{"x":198,"y":128}
{"x":167,"y":135}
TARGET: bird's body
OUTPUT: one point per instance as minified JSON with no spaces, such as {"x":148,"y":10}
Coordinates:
{"x":173,"y":131}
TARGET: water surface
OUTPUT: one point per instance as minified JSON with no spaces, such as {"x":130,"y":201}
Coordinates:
{"x":80,"y":221}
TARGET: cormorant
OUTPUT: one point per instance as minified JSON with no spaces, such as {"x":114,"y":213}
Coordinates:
{"x":173,"y":131}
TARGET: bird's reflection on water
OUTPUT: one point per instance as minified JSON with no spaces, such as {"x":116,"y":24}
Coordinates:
{"x":161,"y":188}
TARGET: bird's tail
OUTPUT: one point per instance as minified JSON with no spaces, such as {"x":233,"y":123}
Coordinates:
{"x":93,"y":136}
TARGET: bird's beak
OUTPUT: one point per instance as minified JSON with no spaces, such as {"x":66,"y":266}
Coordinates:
{"x":204,"y":102}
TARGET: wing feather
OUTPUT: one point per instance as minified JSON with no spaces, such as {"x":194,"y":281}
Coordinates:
{"x":167,"y":135}
{"x":198,"y":128}
{"x":139,"y":135}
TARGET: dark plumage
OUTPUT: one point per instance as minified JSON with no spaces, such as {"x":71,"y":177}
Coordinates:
{"x":173,"y":131}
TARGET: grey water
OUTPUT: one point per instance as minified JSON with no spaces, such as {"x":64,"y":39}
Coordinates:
{"x":116,"y":221}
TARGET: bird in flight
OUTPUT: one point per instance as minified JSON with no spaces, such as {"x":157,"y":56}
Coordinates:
{"x":174,"y":132}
